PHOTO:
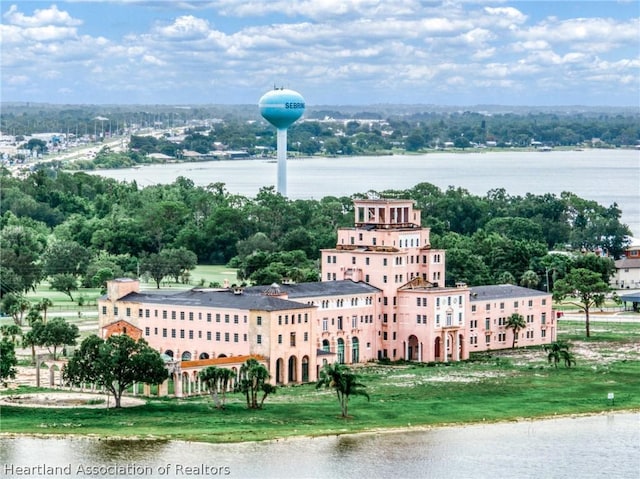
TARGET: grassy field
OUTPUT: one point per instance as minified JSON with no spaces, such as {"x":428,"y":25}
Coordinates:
{"x":498,"y":386}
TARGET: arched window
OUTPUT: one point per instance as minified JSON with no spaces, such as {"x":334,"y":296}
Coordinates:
{"x":340,"y":350}
{"x":355,"y":350}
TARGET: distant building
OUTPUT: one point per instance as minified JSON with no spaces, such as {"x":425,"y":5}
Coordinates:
{"x":382,"y":295}
{"x":627,"y":272}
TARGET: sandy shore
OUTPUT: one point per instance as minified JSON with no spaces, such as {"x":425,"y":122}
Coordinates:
{"x":67,"y":400}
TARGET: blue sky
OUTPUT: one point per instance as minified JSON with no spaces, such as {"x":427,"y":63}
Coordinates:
{"x":334,"y":52}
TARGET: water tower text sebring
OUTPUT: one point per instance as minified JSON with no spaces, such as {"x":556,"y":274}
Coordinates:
{"x":281,"y":108}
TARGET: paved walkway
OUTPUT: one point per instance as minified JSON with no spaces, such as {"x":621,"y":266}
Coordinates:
{"x":613,"y":317}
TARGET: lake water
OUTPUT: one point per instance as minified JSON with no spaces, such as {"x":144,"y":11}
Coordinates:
{"x":605,"y":176}
{"x":583,"y":447}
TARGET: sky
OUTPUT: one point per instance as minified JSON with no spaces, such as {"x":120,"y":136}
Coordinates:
{"x":334,"y":52}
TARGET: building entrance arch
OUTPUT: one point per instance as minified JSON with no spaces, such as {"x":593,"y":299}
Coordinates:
{"x":293,"y":369}
{"x":413,"y":348}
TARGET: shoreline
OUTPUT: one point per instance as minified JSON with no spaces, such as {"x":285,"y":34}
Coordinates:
{"x":369,"y":432}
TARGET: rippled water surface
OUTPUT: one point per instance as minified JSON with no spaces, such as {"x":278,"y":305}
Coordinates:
{"x":603,"y":446}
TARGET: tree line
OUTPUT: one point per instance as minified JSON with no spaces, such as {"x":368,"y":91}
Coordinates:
{"x":80,"y":230}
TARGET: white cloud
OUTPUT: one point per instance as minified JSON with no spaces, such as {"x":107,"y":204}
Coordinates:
{"x":185,"y":28}
{"x":46,"y":17}
{"x":369,"y":47}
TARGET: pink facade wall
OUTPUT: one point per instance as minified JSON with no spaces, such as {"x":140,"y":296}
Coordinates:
{"x":487,"y":321}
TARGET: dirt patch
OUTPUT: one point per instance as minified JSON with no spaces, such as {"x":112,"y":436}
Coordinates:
{"x":67,"y":400}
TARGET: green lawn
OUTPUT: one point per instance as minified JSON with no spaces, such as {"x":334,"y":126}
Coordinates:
{"x":490,"y":387}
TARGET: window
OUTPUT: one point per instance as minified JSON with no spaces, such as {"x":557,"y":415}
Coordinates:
{"x":226,"y":318}
{"x":115,"y":311}
{"x":208,"y":317}
{"x":366,"y":261}
{"x":306,"y":336}
{"x":217,"y":335}
{"x":235,"y":337}
{"x":182,"y":315}
{"x":235,"y":319}
{"x":543,"y":318}
{"x":217,"y":317}
{"x":292,"y":339}
{"x":543,"y":333}
{"x":173,"y":315}
{"x":487,"y":338}
{"x":259,"y":320}
{"x":140,"y":313}
{"x":340,"y":323}
{"x":384,"y":335}
{"x":190,"y":334}
{"x":354,"y":322}
{"x":164,"y":332}
{"x":501,"y":305}
{"x":530,"y":303}
{"x":182,"y":334}
{"x":384,"y":261}
{"x":544,"y":302}
{"x":487,"y":323}
{"x":190,"y":315}
{"x":226,"y":337}
{"x":104,"y":310}
{"x":208,"y":335}
{"x":147,"y":331}
{"x":487,"y":307}
{"x":473,"y":308}
{"x":259,"y":339}
{"x":279,"y":338}
{"x":325,"y":324}
{"x":353,"y":260}
{"x":173,"y":332}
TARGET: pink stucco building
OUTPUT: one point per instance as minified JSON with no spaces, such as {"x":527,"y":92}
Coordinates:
{"x":381,"y":295}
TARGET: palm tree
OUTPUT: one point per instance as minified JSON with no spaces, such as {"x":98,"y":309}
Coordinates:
{"x":252,"y":379}
{"x":516,"y":322}
{"x":559,"y":350}
{"x":344,"y":382}
{"x":43,"y":305}
{"x":217,"y":380}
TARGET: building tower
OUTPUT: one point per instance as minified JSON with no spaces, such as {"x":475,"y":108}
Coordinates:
{"x":281,"y":107}
{"x":389,"y":249}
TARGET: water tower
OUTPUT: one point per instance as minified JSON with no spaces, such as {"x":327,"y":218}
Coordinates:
{"x":281,"y":107}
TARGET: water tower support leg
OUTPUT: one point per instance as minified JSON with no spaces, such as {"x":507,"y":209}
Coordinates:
{"x":282,"y":161}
